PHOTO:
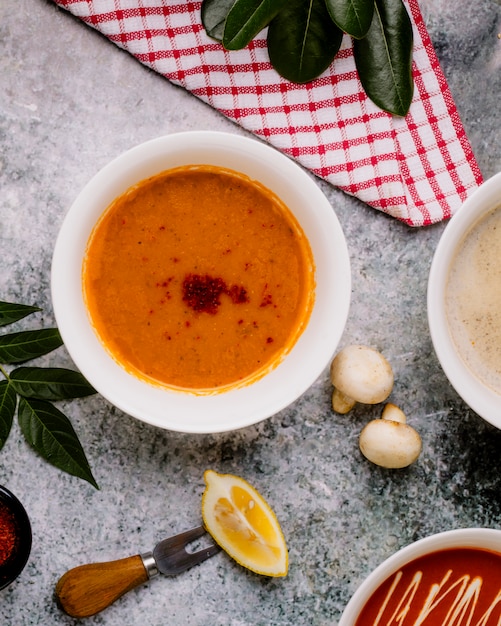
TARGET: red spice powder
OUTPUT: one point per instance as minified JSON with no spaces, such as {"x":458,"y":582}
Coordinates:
{"x":203,"y":292}
{"x":8,"y":533}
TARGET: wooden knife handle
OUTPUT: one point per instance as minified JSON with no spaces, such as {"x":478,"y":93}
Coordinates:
{"x":88,"y":589}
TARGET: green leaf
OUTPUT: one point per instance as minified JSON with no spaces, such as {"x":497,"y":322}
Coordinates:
{"x":49,"y":383}
{"x":8,"y":401}
{"x":51,"y":434}
{"x":28,"y":344}
{"x":213,"y":14}
{"x":303,"y":40}
{"x":11,"y":312}
{"x":352,"y":16}
{"x":384,"y":58}
{"x":246,"y":19}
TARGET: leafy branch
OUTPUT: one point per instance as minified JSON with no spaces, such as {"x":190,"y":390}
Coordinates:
{"x":304,"y":36}
{"x":31,"y":391}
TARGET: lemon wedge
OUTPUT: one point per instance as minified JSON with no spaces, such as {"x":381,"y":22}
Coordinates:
{"x":243,"y":524}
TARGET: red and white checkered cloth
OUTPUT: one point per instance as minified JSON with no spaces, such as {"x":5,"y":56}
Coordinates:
{"x":418,"y":169}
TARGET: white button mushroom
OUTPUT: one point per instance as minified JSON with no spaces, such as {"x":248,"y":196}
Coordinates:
{"x":359,"y":374}
{"x":394,"y":413}
{"x":389,"y":441}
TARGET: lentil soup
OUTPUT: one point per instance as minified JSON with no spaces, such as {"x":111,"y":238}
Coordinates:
{"x":198,"y":278}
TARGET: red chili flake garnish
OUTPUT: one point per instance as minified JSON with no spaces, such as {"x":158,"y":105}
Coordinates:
{"x":237,"y":294}
{"x":267,"y":300}
{"x":203,"y":292}
{"x":8,"y":533}
{"x":269,"y":340}
{"x":164,"y":283}
{"x":187,"y":324}
{"x":161,"y":228}
{"x":240,"y":322}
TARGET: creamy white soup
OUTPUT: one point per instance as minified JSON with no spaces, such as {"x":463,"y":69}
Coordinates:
{"x":473,"y":300}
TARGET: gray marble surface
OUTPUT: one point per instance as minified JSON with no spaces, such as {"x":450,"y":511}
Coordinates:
{"x":69,"y":102}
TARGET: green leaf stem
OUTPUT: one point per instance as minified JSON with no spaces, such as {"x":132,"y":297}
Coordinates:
{"x":246,"y":19}
{"x":384,"y":58}
{"x":28,"y":344}
{"x":304,"y":37}
{"x":352,"y":16}
{"x":8,"y":401}
{"x":213,"y":14}
{"x":11,"y":312}
{"x":51,"y":434}
{"x":29,"y":389}
{"x":303,"y":40}
{"x":49,"y":383}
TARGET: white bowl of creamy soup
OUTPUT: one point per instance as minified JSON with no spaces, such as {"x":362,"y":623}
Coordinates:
{"x":201,"y":281}
{"x":451,"y":578}
{"x":464,"y":301}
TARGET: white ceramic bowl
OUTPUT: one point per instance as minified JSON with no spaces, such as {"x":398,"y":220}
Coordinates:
{"x":482,"y":399}
{"x":482,"y":538}
{"x":236,"y":408}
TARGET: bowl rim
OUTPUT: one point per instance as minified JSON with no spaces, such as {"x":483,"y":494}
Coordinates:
{"x":249,"y":404}
{"x":483,"y":400}
{"x":13,"y":567}
{"x":474,"y":537}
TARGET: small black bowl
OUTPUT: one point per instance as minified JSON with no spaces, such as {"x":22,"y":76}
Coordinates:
{"x":15,"y":537}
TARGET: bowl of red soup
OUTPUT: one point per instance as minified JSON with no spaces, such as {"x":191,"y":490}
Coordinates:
{"x":451,"y":578}
{"x":201,"y":281}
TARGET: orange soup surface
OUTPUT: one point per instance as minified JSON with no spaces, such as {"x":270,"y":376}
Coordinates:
{"x":198,"y":278}
{"x":454,"y":587}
